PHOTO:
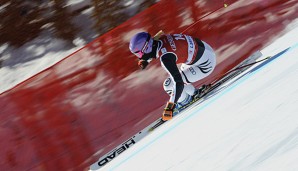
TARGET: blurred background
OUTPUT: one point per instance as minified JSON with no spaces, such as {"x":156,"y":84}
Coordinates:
{"x":31,"y":29}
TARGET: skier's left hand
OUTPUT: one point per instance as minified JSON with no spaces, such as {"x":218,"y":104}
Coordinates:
{"x":143,"y":64}
{"x":168,"y":111}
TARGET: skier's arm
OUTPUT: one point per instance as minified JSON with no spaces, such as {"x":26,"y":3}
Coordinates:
{"x":169,"y":63}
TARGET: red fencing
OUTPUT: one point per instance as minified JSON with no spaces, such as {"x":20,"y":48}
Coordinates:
{"x":69,"y":115}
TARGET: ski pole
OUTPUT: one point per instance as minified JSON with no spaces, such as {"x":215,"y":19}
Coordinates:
{"x":240,"y":67}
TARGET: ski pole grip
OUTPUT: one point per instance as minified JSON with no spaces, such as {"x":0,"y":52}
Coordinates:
{"x":170,"y":106}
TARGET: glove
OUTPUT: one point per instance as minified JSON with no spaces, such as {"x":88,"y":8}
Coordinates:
{"x":142,"y":64}
{"x":168,"y":111}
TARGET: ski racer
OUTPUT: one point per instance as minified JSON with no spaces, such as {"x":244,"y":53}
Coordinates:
{"x":196,"y":56}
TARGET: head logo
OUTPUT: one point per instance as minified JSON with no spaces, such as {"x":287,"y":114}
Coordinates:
{"x":116,"y":152}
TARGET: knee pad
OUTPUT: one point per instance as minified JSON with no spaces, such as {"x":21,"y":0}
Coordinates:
{"x":168,"y":86}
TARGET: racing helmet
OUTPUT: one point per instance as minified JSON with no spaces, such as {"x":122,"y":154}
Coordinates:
{"x":141,"y":44}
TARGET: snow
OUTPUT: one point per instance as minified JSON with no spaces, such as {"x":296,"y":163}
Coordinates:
{"x":250,"y":125}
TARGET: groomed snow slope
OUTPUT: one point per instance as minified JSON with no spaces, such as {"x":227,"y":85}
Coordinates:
{"x":250,"y":125}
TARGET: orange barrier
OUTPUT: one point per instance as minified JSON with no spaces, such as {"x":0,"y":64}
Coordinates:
{"x":69,"y":115}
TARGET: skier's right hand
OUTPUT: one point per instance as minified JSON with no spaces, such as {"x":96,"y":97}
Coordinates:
{"x":142,"y":64}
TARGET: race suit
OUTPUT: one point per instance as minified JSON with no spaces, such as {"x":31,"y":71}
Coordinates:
{"x":196,"y":56}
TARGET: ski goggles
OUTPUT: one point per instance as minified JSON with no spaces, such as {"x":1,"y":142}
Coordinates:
{"x":141,"y":52}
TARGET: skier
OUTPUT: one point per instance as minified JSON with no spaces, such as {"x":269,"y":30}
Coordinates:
{"x":196,"y":56}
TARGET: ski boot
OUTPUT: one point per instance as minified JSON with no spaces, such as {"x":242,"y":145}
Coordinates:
{"x":201,"y":91}
{"x":182,"y":105}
